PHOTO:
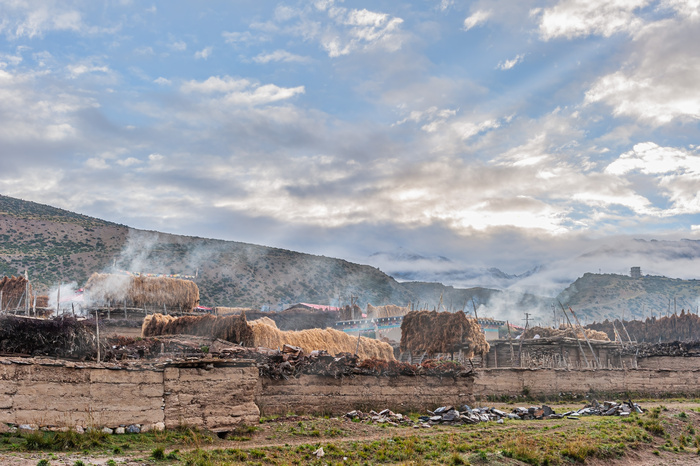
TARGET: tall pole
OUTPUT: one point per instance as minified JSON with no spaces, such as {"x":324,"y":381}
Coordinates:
{"x":575,"y":336}
{"x":595,"y":357}
{"x":97,"y":327}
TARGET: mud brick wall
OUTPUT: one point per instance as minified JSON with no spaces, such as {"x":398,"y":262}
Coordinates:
{"x":61,"y":393}
{"x":669,"y":363}
{"x":536,"y":382}
{"x":311,"y":394}
{"x":215,"y":398}
{"x":57,"y":393}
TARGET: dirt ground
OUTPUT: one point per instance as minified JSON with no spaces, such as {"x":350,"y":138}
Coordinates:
{"x":297,"y":430}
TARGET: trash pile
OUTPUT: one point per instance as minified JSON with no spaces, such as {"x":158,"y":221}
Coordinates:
{"x":386,"y":416}
{"x":449,"y":415}
{"x":608,"y":408}
{"x":292,"y":362}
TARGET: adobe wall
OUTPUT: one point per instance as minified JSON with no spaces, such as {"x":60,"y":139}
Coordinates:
{"x":62,"y":393}
{"x":516,"y":381}
{"x":669,"y":363}
{"x":318,"y":394}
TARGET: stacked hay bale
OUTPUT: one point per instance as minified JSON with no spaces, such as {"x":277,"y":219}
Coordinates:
{"x":232,"y":328}
{"x":442,"y":332}
{"x":223,"y":311}
{"x":154,"y":292}
{"x":331,"y":340}
{"x":390,"y":310}
{"x":14,"y":292}
{"x":263,"y":332}
{"x":563,"y":332}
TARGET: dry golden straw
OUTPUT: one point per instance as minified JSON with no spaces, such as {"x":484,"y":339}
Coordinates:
{"x":262,"y":332}
{"x":175,"y":294}
{"x":442,"y":332}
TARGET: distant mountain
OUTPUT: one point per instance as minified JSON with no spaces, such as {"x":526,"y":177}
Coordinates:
{"x":609,"y":296}
{"x":405,"y":265}
{"x":498,"y":304}
{"x":56,"y":245}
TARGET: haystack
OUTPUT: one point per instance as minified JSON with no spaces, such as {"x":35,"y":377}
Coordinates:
{"x":155,"y":292}
{"x":442,"y":332}
{"x":222,"y":311}
{"x":563,"y":332}
{"x":230,"y":328}
{"x":260,"y":333}
{"x":263,"y":320}
{"x":390,"y":310}
{"x":331,"y":340}
{"x":14,"y":291}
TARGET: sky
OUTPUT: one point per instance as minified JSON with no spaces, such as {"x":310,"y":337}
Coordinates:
{"x":492,"y":133}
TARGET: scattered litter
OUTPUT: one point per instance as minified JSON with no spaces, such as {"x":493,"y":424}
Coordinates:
{"x":449,"y":415}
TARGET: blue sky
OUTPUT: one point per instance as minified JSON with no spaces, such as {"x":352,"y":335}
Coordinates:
{"x":494,"y":133}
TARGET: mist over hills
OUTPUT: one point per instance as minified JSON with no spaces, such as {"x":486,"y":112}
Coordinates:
{"x":56,"y":245}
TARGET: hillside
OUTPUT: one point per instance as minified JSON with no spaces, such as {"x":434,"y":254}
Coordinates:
{"x":56,"y":245}
{"x":489,"y":302}
{"x":608,"y":296}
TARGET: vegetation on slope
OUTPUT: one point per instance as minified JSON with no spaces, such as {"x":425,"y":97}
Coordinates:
{"x":609,"y":296}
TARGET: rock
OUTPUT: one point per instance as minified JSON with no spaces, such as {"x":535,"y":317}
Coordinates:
{"x":119,"y":430}
{"x":547,"y":410}
{"x":28,"y":427}
{"x":159,"y":426}
{"x":319,"y":453}
{"x":146,"y":428}
{"x":500,"y":421}
{"x":133,"y":429}
{"x":107,"y":430}
{"x":450,"y":416}
{"x":4,"y":428}
{"x":79,"y":429}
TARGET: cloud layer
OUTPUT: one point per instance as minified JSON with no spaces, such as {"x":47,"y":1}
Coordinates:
{"x":483,"y":133}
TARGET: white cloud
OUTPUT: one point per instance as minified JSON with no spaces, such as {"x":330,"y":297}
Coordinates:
{"x":361,"y":30}
{"x":162,"y":81}
{"x":280,"y":56}
{"x":129,"y":161}
{"x":242,"y":91}
{"x":650,"y":158}
{"x":580,"y":18}
{"x":675,"y":171}
{"x":179,"y":46}
{"x":508,"y":64}
{"x":96,"y":163}
{"x":658,"y":83}
{"x":77,"y":70}
{"x":477,"y":18}
{"x":204,"y":53}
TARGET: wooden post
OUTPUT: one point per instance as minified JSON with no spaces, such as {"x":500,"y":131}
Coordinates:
{"x":58,"y":298}
{"x":97,"y":327}
{"x":109,"y":310}
{"x":574,"y":330}
{"x":34,"y":306}
{"x":26,"y":293}
{"x":595,"y":357}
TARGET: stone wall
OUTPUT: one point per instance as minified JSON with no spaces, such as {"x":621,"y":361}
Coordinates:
{"x":215,"y":398}
{"x":60,"y":393}
{"x":317,"y":394}
{"x":515,"y":381}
